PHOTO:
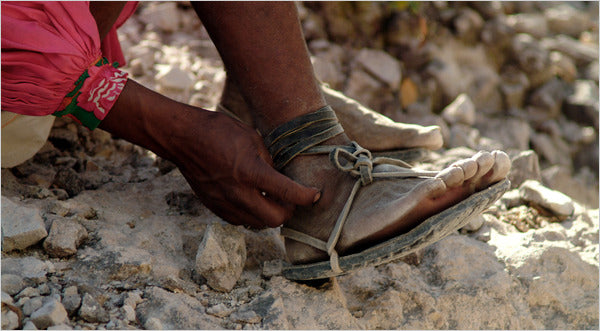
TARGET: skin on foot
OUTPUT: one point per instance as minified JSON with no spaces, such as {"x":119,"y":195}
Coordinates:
{"x":385,"y":208}
{"x":370,"y":129}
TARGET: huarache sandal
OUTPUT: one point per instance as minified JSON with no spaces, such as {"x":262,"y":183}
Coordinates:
{"x":384,"y":190}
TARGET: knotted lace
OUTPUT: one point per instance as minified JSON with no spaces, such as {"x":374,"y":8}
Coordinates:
{"x":355,"y":160}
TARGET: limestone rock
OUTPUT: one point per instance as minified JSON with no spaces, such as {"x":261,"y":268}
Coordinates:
{"x":50,"y":314}
{"x":32,"y":305}
{"x":10,"y":319}
{"x":128,"y":313}
{"x":162,"y":305}
{"x":71,"y":299}
{"x":221,"y":256}
{"x":515,"y":133}
{"x":530,"y":55}
{"x":582,"y":105}
{"x":327,"y":72}
{"x":29,"y":326}
{"x":563,"y":66}
{"x":64,"y":238}
{"x":362,"y":87}
{"x":461,"y":110}
{"x":162,"y":15}
{"x":524,"y":166}
{"x":246,"y":316}
{"x":468,"y":24}
{"x":581,"y":53}
{"x":561,"y":179}
{"x":174,"y":77}
{"x":92,"y":311}
{"x":531,"y":23}
{"x":534,"y":191}
{"x":12,"y":284}
{"x":475,"y":224}
{"x":551,"y":148}
{"x":69,"y":180}
{"x":549,"y":97}
{"x":381,"y":65}
{"x":219,"y":310}
{"x":322,"y":309}
{"x":513,"y":87}
{"x":30,"y":268}
{"x":22,"y":226}
{"x":565,"y":19}
{"x":561,"y":284}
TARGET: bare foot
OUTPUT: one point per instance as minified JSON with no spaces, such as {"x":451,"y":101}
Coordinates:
{"x":370,"y":129}
{"x":386,"y":207}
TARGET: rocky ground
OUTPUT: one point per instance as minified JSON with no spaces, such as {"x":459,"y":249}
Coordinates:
{"x":100,"y":234}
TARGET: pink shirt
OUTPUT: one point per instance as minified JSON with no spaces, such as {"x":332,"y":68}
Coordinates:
{"x":53,"y":61}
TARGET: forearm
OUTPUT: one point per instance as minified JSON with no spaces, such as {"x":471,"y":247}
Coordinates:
{"x":148,"y":119}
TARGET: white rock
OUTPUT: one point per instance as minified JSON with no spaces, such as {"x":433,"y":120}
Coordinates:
{"x":580,"y":52}
{"x":6,"y":298}
{"x":51,"y":313}
{"x":153,"y":323}
{"x":221,"y":256}
{"x":515,"y":133}
{"x":92,"y":311}
{"x":64,"y":238}
{"x":32,"y":305}
{"x":475,"y":224}
{"x":362,"y":87}
{"x":162,"y":15}
{"x":219,"y":310}
{"x":246,"y":316}
{"x":22,"y":226}
{"x":27,"y":267}
{"x":524,"y":166}
{"x":461,"y":110}
{"x":132,"y":299}
{"x":381,"y":65}
{"x":531,"y":23}
{"x":128,"y":313}
{"x":12,"y":284}
{"x":10,"y":319}
{"x":327,"y":72}
{"x":160,"y":306}
{"x":29,"y":326}
{"x":564,"y":19}
{"x":534,"y":191}
{"x":174,"y":77}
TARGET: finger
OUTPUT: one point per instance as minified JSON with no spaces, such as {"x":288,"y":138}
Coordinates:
{"x":283,"y":188}
{"x":271,"y":212}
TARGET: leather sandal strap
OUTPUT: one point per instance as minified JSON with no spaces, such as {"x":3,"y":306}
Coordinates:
{"x":294,"y":137}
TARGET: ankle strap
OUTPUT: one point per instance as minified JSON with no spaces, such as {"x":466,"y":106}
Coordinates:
{"x":303,"y":132}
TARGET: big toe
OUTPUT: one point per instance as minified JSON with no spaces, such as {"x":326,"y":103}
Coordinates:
{"x":501,"y":166}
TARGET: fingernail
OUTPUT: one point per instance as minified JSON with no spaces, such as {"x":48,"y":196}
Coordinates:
{"x":317,"y":197}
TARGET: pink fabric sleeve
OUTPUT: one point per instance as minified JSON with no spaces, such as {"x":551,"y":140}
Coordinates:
{"x":52,"y":64}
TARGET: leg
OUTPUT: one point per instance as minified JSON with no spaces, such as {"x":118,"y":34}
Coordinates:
{"x":265,"y":55}
{"x":264,"y":52}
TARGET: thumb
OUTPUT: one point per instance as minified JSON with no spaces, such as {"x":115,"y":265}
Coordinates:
{"x":283,"y":188}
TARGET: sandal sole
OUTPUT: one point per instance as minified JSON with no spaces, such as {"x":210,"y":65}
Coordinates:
{"x":428,"y":232}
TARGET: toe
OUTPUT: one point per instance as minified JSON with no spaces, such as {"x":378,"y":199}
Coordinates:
{"x":431,"y":188}
{"x":452,"y":176}
{"x":468,"y":166}
{"x":501,"y":166}
{"x":485,"y":162}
